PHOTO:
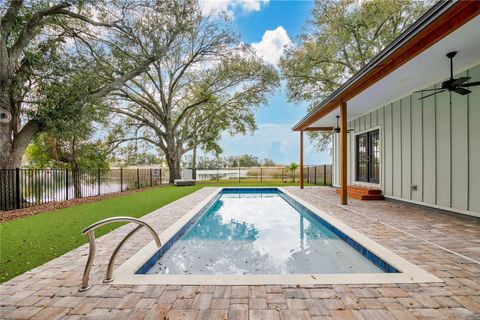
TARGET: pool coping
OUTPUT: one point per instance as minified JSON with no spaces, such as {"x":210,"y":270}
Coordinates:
{"x":409,"y":273}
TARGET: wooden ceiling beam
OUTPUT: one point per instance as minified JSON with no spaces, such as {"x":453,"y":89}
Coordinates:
{"x":318,"y":129}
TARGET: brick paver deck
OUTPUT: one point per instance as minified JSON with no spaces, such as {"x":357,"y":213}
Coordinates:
{"x":446,"y":245}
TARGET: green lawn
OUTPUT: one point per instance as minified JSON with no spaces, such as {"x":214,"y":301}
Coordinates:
{"x":29,"y":242}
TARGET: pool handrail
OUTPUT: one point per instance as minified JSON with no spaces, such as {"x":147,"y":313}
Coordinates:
{"x":90,"y":231}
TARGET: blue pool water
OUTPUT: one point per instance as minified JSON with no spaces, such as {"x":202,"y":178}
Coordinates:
{"x":261,"y":231}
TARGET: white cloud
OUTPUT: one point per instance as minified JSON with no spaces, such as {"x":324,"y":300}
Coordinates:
{"x":272,"y":45}
{"x":229,"y":6}
{"x":252,"y":5}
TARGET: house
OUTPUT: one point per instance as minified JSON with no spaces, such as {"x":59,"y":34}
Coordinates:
{"x":417,"y":147}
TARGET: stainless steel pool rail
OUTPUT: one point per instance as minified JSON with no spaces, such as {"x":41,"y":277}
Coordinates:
{"x":92,"y":246}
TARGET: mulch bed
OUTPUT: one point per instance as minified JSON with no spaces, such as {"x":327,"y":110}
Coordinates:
{"x":33,"y":210}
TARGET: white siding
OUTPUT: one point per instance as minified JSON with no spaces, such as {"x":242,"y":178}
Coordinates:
{"x":474,"y":143}
{"x":417,"y":149}
{"x":444,"y":149}
{"x":429,"y":149}
{"x":397,"y":150}
{"x":433,"y":144}
{"x":459,"y":119}
{"x":388,"y":147}
{"x":406,"y":148}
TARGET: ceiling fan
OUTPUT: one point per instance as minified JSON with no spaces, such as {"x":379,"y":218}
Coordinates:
{"x":452,"y":84}
{"x":337,"y":128}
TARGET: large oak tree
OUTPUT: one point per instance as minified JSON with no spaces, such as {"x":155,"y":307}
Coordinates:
{"x":207,"y":82}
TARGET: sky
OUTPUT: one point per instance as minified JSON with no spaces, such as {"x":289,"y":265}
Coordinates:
{"x":269,"y":26}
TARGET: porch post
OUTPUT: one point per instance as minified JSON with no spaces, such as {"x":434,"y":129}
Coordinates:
{"x":343,"y":153}
{"x":301,"y":160}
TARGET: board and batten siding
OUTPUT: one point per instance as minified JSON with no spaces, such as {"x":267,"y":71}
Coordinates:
{"x":433,"y":144}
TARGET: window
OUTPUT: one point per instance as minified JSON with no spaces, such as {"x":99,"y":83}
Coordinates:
{"x":368,"y":157}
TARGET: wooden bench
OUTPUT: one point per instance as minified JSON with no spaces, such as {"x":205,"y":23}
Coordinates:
{"x":182,"y":182}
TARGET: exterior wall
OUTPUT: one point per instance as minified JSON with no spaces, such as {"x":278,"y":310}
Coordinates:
{"x":432,"y":143}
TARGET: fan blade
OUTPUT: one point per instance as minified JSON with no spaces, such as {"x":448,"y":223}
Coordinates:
{"x":462,"y":91}
{"x":471,"y":84}
{"x":432,"y":94}
{"x":459,"y":81}
{"x":428,"y":90}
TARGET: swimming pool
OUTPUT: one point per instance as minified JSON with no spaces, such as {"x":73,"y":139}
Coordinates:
{"x":264,"y":236}
{"x":256,"y":231}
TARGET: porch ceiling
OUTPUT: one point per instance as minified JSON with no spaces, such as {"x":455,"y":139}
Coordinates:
{"x":428,"y":68}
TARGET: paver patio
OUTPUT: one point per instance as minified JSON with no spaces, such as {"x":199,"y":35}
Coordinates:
{"x":446,"y":245}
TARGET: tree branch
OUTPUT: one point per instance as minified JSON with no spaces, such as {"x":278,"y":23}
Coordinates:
{"x":31,"y":28}
{"x":118,"y":82}
{"x":93,"y":22}
{"x":6,"y":22}
{"x":185,"y":110}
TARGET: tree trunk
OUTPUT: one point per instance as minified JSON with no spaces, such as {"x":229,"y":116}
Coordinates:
{"x":6,"y":128}
{"x":11,"y":153}
{"x":173,"y":157}
{"x":7,"y":190}
{"x":76,"y":180}
{"x":15,"y":148}
{"x":173,"y":168}
{"x":194,"y":163}
{"x":6,"y":146}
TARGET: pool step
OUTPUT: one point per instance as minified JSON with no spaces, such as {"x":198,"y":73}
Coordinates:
{"x":363,"y":193}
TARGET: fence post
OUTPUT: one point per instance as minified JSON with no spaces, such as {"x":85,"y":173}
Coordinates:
{"x":218,"y":177}
{"x":315,"y":173}
{"x":324,"y":174}
{"x":261,"y":175}
{"x":121,"y":179}
{"x":98,"y":180}
{"x":66,"y":184}
{"x":308,"y":174}
{"x":151,"y":180}
{"x":238,"y":174}
{"x":138,"y":178}
{"x":160,"y":176}
{"x":17,"y":188}
{"x":282,"y":174}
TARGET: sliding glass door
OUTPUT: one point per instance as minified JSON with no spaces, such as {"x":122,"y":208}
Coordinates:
{"x":367,"y":146}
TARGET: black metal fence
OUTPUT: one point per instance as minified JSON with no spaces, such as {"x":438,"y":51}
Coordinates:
{"x":319,"y":175}
{"x":21,"y":188}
